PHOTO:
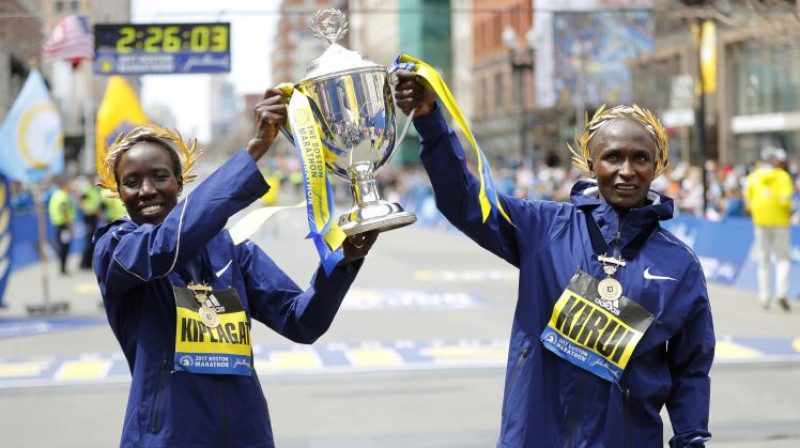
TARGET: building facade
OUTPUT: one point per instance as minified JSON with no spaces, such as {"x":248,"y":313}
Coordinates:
{"x":756,"y":102}
{"x":20,"y":46}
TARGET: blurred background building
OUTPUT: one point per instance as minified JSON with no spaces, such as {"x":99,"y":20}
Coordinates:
{"x":523,"y":71}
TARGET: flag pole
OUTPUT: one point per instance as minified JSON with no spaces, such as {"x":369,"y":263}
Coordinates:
{"x":47,"y":307}
{"x":88,"y":123}
{"x":42,"y":252}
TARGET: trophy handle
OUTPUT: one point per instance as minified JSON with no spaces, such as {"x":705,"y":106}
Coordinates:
{"x":393,"y":82}
{"x":409,"y":120}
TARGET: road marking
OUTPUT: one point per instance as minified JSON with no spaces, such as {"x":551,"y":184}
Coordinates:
{"x":731,"y":350}
{"x":87,"y":288}
{"x":374,"y":357}
{"x":351,"y":357}
{"x":291,"y":360}
{"x":467,"y":275}
{"x":23,"y":369}
{"x":411,"y":299}
{"x":83,"y":370}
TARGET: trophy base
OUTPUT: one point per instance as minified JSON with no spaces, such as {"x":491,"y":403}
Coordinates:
{"x":380,"y":215}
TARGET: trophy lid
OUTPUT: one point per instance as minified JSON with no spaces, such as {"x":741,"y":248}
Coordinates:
{"x":331,"y":25}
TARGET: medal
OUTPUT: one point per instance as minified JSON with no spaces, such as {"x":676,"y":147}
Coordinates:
{"x":208,"y":316}
{"x":609,"y":288}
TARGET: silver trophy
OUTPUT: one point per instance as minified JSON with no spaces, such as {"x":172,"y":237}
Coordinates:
{"x":352,"y":102}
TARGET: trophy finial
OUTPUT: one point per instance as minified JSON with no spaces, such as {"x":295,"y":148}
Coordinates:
{"x":329,"y":24}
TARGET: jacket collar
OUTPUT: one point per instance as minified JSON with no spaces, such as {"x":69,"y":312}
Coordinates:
{"x":634,"y":227}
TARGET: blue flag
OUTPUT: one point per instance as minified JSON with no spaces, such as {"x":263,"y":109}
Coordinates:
{"x":5,"y":235}
{"x":31,"y":139}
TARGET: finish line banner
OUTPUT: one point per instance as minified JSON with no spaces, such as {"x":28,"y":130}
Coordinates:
{"x":162,"y":48}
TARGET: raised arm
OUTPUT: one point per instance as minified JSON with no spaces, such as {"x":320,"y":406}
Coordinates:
{"x":455,"y":188}
{"x":277,"y":301}
{"x":129,"y":254}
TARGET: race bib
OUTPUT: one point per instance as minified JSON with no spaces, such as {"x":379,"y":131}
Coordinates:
{"x":212,"y":334}
{"x":592,"y":333}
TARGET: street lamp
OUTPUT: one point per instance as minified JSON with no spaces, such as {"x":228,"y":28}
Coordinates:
{"x":522,"y":60}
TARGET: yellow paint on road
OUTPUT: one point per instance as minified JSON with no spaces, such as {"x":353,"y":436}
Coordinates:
{"x":290,"y":360}
{"x":374,"y":357}
{"x":731,"y":350}
{"x":467,"y":354}
{"x":24,"y":368}
{"x":83,"y":370}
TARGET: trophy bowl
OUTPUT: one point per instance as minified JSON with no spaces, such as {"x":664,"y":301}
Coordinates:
{"x":352,"y":101}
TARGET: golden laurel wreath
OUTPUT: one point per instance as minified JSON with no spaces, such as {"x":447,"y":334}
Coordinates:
{"x":187,"y":154}
{"x":581,"y":156}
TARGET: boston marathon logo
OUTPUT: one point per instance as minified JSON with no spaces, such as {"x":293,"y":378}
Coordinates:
{"x":192,"y":330}
{"x":592,"y":334}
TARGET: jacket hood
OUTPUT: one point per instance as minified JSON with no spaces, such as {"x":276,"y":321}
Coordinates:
{"x":630,"y":231}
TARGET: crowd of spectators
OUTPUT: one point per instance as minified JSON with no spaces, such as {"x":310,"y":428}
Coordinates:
{"x":682,"y":182}
{"x":410,"y":186}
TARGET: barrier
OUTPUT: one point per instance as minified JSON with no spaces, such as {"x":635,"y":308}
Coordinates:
{"x":724,"y":248}
{"x":25,"y":238}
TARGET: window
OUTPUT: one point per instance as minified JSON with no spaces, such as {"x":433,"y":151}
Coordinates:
{"x":73,"y":5}
{"x":498,"y":90}
{"x":59,"y":6}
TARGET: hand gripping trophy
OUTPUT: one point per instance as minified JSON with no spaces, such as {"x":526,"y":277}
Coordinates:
{"x":348,"y":124}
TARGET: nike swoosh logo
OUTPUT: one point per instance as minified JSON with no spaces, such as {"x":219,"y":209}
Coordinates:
{"x":649,"y":276}
{"x":222,"y":271}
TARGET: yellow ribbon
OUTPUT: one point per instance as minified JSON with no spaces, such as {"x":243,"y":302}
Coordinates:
{"x":433,"y":81}
{"x":326,"y":233}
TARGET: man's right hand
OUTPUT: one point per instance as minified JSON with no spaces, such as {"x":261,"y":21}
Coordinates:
{"x":410,"y":94}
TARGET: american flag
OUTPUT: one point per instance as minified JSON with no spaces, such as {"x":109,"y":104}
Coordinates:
{"x":71,"y":40}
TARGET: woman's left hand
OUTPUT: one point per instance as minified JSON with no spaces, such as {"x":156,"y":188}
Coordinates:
{"x":357,"y":246}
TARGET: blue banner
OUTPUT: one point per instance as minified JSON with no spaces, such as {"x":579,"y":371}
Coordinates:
{"x":724,"y":248}
{"x":5,"y":235}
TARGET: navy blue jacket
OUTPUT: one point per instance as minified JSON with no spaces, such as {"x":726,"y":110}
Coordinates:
{"x":548,"y":402}
{"x":136,"y":266}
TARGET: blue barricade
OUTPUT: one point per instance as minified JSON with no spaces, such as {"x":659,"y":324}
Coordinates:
{"x":724,"y":248}
{"x":25,"y":238}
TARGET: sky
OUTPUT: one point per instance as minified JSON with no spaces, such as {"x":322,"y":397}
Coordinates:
{"x":253,"y":24}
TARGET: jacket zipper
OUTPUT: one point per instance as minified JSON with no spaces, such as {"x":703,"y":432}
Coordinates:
{"x":627,"y":400}
{"x":162,"y":379}
{"x":224,"y":430}
{"x":515,"y":373}
{"x":578,"y":402}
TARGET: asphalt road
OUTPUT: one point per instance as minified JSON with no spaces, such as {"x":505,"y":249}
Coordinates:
{"x":430,"y":295}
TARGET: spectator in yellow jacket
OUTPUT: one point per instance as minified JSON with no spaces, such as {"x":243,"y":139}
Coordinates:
{"x":768,"y":197}
{"x":61,"y":209}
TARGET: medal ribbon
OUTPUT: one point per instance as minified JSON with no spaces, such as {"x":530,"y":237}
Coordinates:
{"x":323,"y":230}
{"x":433,"y":81}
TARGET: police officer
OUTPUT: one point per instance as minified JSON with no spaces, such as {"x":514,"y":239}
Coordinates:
{"x":61,"y":209}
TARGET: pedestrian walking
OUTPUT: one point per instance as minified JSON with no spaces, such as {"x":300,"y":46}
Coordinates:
{"x":768,"y":197}
{"x":180,"y":295}
{"x":612,"y":321}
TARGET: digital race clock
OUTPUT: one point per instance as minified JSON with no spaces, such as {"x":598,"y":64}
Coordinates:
{"x":135,"y":49}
